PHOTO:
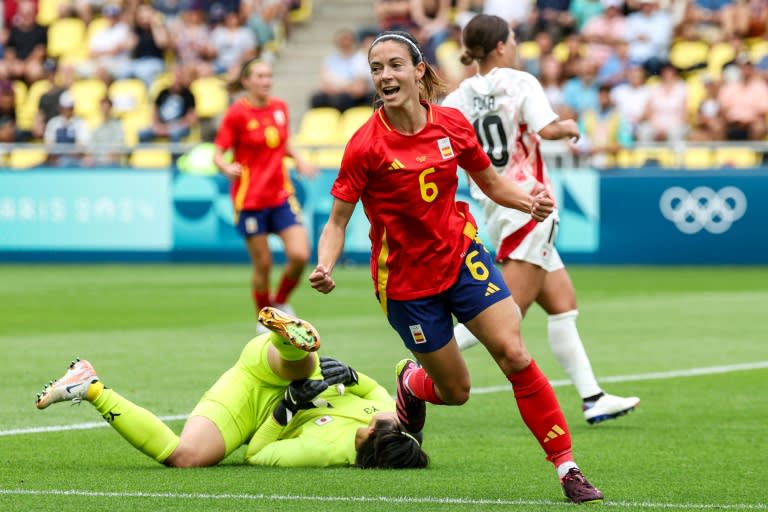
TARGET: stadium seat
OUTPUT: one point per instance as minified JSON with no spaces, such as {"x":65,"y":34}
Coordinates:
{"x":697,"y":157}
{"x":24,"y":158}
{"x":350,"y":120}
{"x":730,"y":156}
{"x":128,"y":94}
{"x":326,"y":158}
{"x":161,"y":81}
{"x":318,"y":127}
{"x":719,"y":54}
{"x":302,"y":13}
{"x":758,"y":50}
{"x":19,"y":93}
{"x":133,"y":121}
{"x":696,"y":94}
{"x":211,"y":96}
{"x":529,"y":50}
{"x":49,"y":11}
{"x":687,"y":54}
{"x":25,"y":115}
{"x":150,"y":158}
{"x":66,"y":37}
{"x":646,"y":157}
{"x":95,"y":26}
{"x":88,"y":93}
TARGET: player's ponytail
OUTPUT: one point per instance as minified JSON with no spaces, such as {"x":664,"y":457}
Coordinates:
{"x":236,"y":85}
{"x":481,"y":35}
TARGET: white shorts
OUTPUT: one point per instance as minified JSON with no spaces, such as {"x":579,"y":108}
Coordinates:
{"x":538,"y":247}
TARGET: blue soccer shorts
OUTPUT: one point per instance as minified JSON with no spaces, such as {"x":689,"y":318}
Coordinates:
{"x":426,"y":325}
{"x":269,"y":220}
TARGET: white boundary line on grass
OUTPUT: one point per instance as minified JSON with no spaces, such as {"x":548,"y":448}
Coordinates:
{"x":692,"y":372}
{"x":377,"y":499}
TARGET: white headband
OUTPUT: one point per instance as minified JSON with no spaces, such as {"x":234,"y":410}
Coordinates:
{"x":384,"y":37}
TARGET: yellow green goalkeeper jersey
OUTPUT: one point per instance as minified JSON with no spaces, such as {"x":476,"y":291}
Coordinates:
{"x":320,"y":437}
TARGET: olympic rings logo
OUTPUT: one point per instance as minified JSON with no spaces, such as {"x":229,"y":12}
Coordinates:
{"x":703,"y":208}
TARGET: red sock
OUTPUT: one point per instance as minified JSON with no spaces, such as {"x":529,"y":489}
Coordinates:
{"x":286,"y":287}
{"x":422,"y":387}
{"x":261,"y":299}
{"x":540,"y":410}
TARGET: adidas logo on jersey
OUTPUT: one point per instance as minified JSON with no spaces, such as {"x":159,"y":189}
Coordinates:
{"x":492,"y":288}
{"x":396,"y":164}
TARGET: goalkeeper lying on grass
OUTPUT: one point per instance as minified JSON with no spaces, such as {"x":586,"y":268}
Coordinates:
{"x":288,"y":406}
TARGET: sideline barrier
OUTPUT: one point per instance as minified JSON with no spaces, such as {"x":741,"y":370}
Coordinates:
{"x":642,"y":216}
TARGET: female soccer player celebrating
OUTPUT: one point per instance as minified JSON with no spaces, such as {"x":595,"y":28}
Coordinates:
{"x":427,"y":262}
{"x":512,"y":104}
{"x":255,"y":127}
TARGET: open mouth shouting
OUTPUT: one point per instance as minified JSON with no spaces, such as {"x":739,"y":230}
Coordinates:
{"x":390,"y":91}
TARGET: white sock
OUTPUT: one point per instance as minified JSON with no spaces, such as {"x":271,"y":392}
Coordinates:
{"x":569,"y":351}
{"x":563,"y":468}
{"x":464,"y":338}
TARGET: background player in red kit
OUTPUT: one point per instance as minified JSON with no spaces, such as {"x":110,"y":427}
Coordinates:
{"x":256,"y":128}
{"x":427,"y":262}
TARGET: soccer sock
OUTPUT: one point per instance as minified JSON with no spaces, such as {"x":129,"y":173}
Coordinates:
{"x":421,"y":386}
{"x":287,"y":285}
{"x":261,"y":299}
{"x":541,"y":412}
{"x":464,"y":337}
{"x":568,"y":349}
{"x":137,"y":425}
{"x":286,"y":349}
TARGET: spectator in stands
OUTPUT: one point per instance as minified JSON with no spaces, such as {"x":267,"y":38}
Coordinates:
{"x":552,"y":82}
{"x":61,"y":78}
{"x":632,"y":98}
{"x":744,"y":101}
{"x":171,"y":9}
{"x":393,"y":15}
{"x":431,"y":18}
{"x":604,"y":131}
{"x":25,"y":48}
{"x":573,"y":55}
{"x":66,"y":129}
{"x":149,"y":41}
{"x":267,"y":19}
{"x":344,"y":78}
{"x":649,"y":33}
{"x":580,"y":92}
{"x":582,"y":11}
{"x":233,"y":45}
{"x":666,"y":114}
{"x":709,"y":124}
{"x":106,"y":139}
{"x":8,"y":131}
{"x":554,"y":17}
{"x":465,"y":10}
{"x":190,"y":41}
{"x":615,"y":69}
{"x":714,"y":20}
{"x":174,"y":112}
{"x":110,"y":48}
{"x":603,"y":32}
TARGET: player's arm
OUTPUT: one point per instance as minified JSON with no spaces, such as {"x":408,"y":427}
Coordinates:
{"x":506,"y":193}
{"x":330,"y":245}
{"x":561,"y":129}
{"x":290,"y":453}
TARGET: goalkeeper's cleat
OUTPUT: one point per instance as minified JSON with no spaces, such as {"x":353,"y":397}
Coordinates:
{"x":300,"y":333}
{"x":609,"y":407}
{"x":411,"y":411}
{"x":577,"y":489}
{"x":72,"y":386}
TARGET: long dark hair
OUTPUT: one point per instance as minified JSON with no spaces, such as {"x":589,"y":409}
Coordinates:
{"x":481,"y":35}
{"x":387,"y":447}
{"x":432,"y":86}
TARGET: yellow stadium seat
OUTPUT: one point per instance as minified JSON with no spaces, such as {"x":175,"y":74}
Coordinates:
{"x":529,"y":50}
{"x":758,"y":50}
{"x":88,"y":93}
{"x":24,"y":158}
{"x":318,"y":126}
{"x":719,"y":54}
{"x":49,"y":11}
{"x":150,"y":158}
{"x":211,"y":96}
{"x":730,"y":156}
{"x":161,"y":81}
{"x":302,"y":13}
{"x":133,"y":122}
{"x":686,"y":54}
{"x":696,"y":94}
{"x":697,"y":157}
{"x":350,"y":120}
{"x":19,"y":93}
{"x":329,"y":158}
{"x":128,"y":94}
{"x":95,"y":26}
{"x":25,"y":115}
{"x":646,"y":157}
{"x":66,"y":36}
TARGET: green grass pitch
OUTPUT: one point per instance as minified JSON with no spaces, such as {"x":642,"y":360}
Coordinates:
{"x":161,"y":334}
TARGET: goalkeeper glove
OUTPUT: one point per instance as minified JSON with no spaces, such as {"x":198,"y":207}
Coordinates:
{"x":336,"y":372}
{"x":300,"y":394}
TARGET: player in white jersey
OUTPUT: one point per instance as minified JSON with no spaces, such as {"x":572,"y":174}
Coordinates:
{"x":510,"y":113}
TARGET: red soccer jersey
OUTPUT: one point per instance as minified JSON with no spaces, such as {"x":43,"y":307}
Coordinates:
{"x":407,"y":184}
{"x":257,"y":136}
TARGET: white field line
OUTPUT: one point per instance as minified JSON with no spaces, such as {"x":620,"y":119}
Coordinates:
{"x":692,"y":372}
{"x":378,"y":499}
